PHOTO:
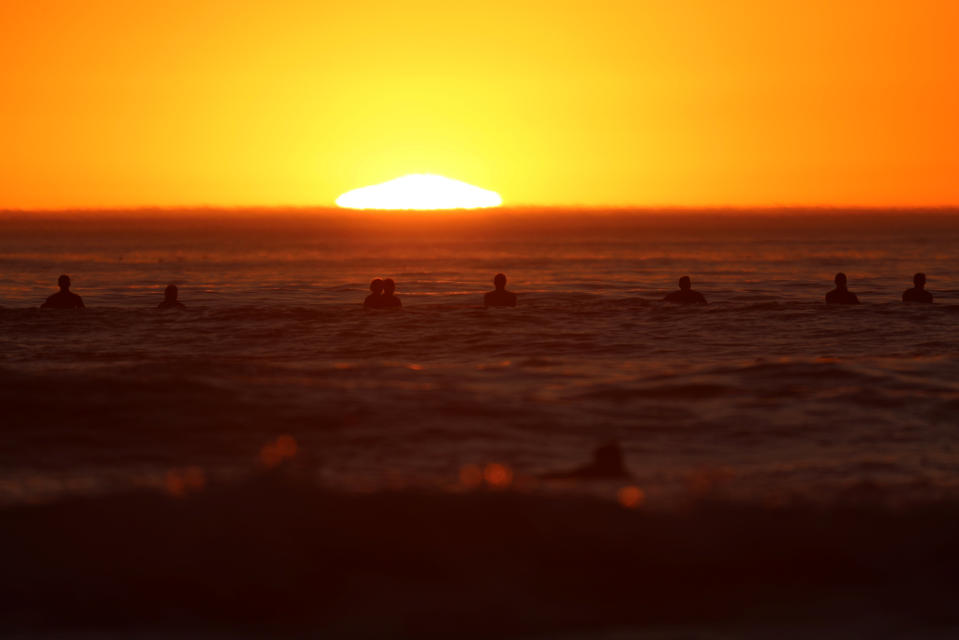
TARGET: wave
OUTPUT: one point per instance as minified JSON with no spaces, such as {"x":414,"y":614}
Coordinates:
{"x":474,"y":564}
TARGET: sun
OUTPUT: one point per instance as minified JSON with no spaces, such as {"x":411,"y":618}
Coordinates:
{"x":420,"y":191}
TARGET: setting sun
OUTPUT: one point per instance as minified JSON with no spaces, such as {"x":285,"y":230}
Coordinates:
{"x":420,"y":191}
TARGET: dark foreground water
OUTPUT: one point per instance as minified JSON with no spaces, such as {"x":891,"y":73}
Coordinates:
{"x":766,"y":399}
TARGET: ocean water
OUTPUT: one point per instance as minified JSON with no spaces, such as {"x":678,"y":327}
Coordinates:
{"x":763,"y":395}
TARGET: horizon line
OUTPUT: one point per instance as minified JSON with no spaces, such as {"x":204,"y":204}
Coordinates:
{"x":771,"y":208}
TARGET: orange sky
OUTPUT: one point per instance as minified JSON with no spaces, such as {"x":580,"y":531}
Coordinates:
{"x":672,"y":102}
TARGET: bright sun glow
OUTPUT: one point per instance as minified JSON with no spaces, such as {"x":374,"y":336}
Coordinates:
{"x":420,"y":191}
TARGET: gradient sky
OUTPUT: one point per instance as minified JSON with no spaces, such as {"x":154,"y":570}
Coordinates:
{"x":673,"y":102}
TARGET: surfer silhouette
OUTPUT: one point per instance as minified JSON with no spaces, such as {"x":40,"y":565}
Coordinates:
{"x":607,"y":463}
{"x":375,"y":299}
{"x":685,"y":295}
{"x":918,"y":293}
{"x":389,"y":300}
{"x":499,"y":297}
{"x":841,"y":295}
{"x":170,"y":298}
{"x":64,"y":298}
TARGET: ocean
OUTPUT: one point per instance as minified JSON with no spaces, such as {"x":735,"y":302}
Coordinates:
{"x":765,"y":398}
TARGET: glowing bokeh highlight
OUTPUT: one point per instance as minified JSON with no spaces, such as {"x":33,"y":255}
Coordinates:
{"x":179,"y":482}
{"x":275,"y":452}
{"x":420,"y":191}
{"x":497,"y":476}
{"x":631,"y":497}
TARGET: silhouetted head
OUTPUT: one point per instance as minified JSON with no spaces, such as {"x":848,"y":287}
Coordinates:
{"x":376,"y":286}
{"x":63,"y":282}
{"x":919,"y":280}
{"x":840,"y":280}
{"x":685,"y":284}
{"x":389,"y":286}
{"x":609,"y":459}
{"x":170,"y":293}
{"x":499,"y":281}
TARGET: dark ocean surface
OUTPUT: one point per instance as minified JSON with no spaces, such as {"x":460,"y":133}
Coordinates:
{"x":766,"y":387}
{"x":764,"y":397}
